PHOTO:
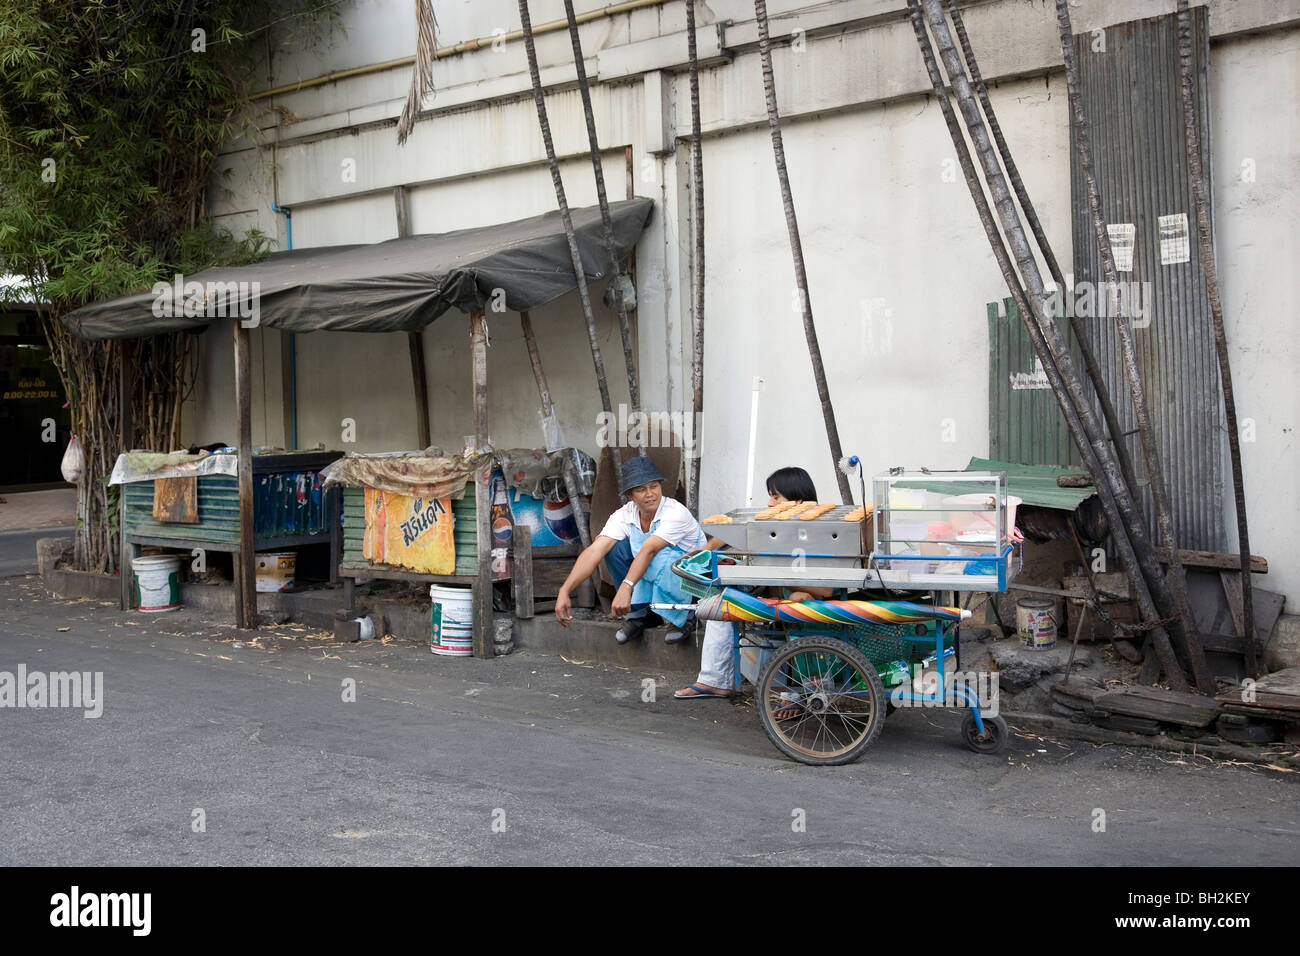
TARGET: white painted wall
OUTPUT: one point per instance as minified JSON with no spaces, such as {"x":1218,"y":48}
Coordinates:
{"x":898,"y":265}
{"x":899,"y":273}
{"x":1256,"y":224}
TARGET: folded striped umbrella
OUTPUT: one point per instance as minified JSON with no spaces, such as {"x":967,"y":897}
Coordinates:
{"x":742,"y":607}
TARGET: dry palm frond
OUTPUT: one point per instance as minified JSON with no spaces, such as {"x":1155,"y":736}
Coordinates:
{"x":426,"y":49}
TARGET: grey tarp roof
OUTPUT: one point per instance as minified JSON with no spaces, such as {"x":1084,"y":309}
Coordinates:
{"x":398,"y":285}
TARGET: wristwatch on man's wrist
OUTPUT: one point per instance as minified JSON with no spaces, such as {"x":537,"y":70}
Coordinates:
{"x":629,"y":582}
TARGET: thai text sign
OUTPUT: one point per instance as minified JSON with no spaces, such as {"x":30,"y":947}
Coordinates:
{"x":413,"y":533}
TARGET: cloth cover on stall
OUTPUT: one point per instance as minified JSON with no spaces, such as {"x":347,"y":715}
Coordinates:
{"x":402,"y":474}
{"x":148,"y":465}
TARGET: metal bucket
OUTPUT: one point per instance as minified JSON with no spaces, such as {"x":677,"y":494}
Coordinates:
{"x":1036,"y":623}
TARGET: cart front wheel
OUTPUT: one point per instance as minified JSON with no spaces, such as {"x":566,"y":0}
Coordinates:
{"x":994,"y":740}
{"x":821,"y":701}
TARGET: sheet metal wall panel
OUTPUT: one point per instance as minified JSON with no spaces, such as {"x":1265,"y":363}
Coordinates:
{"x":1133,"y":101}
{"x":1026,"y":424}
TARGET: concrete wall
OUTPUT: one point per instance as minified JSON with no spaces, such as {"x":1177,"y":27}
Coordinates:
{"x":899,"y":269}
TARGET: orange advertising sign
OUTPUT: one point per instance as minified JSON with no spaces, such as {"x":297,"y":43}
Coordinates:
{"x":409,"y":532}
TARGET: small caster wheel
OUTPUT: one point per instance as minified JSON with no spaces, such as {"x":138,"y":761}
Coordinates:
{"x":994,"y":740}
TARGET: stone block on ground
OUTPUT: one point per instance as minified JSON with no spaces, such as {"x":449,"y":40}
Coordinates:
{"x":1283,"y":648}
{"x":1021,"y":667}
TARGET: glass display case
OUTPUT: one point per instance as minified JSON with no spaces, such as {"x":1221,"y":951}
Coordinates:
{"x":943,"y":530}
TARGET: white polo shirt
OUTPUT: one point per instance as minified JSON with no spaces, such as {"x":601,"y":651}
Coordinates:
{"x":672,"y":522}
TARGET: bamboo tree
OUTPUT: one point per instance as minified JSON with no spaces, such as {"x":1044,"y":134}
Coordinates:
{"x":697,"y":270}
{"x":1032,"y":302}
{"x":583,"y":295}
{"x":611,"y":261}
{"x":796,"y":250}
{"x":1174,"y":580}
{"x":1197,"y":177}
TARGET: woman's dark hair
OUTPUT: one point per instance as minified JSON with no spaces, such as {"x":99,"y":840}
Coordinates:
{"x":792,"y":484}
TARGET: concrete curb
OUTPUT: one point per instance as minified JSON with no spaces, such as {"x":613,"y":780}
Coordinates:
{"x":593,"y":641}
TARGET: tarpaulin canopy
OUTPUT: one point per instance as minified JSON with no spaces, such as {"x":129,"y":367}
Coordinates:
{"x":394,"y":286}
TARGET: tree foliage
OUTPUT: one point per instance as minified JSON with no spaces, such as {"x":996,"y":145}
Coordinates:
{"x":111,"y":115}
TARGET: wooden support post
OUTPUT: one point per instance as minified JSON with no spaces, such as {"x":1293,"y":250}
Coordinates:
{"x":414,"y":340}
{"x":245,"y":563}
{"x":126,"y":437}
{"x":523,"y":565}
{"x":484,"y":638}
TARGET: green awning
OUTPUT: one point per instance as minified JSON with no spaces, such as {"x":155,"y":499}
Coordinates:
{"x":1036,"y":484}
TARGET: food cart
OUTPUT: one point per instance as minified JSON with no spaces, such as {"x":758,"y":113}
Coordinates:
{"x":900,"y":561}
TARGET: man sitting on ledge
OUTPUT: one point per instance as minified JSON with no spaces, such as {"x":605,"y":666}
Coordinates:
{"x":639,"y":543}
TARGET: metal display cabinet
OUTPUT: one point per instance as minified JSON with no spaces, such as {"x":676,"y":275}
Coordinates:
{"x":280,"y":519}
{"x":942,"y":531}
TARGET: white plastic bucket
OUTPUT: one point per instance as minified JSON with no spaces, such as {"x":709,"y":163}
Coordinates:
{"x":275,"y":570}
{"x":453,"y":616}
{"x":157,"y":583}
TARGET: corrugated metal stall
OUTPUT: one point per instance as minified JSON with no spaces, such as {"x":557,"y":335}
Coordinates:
{"x":1132,"y":98}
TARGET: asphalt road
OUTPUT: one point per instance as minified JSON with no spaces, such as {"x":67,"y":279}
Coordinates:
{"x":565,"y":759}
{"x":18,"y":549}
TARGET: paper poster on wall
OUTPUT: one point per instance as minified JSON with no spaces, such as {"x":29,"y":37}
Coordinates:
{"x":409,"y":532}
{"x":1123,"y":236}
{"x":1175,"y":244}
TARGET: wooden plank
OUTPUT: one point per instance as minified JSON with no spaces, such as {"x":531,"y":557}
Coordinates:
{"x":1232,"y":591}
{"x":484,"y":638}
{"x":245,"y":564}
{"x":176,"y":500}
{"x":523,"y":571}
{"x":1079,"y":692}
{"x":1254,"y":710}
{"x":1156,"y":703}
{"x":165,"y":541}
{"x":361,"y":569}
{"x":126,"y":552}
{"x":1227,"y":643}
{"x":557,"y":550}
{"x":1214,"y":559}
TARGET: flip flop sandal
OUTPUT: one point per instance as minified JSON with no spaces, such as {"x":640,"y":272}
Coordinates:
{"x":790,"y":708}
{"x":700,"y":692}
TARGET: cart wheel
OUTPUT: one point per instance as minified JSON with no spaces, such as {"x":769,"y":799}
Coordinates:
{"x":994,"y":740}
{"x":831,"y":696}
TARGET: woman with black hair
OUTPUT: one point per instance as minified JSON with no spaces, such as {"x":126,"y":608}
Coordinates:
{"x":717,"y":662}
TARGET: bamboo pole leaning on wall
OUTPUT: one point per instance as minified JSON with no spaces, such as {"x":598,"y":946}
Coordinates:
{"x":1170,"y":590}
{"x":796,"y":250}
{"x":612,"y":266}
{"x":540,"y":100}
{"x":1210,"y":268}
{"x":697,"y":266}
{"x":1031,"y":300}
{"x":1086,"y":351}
